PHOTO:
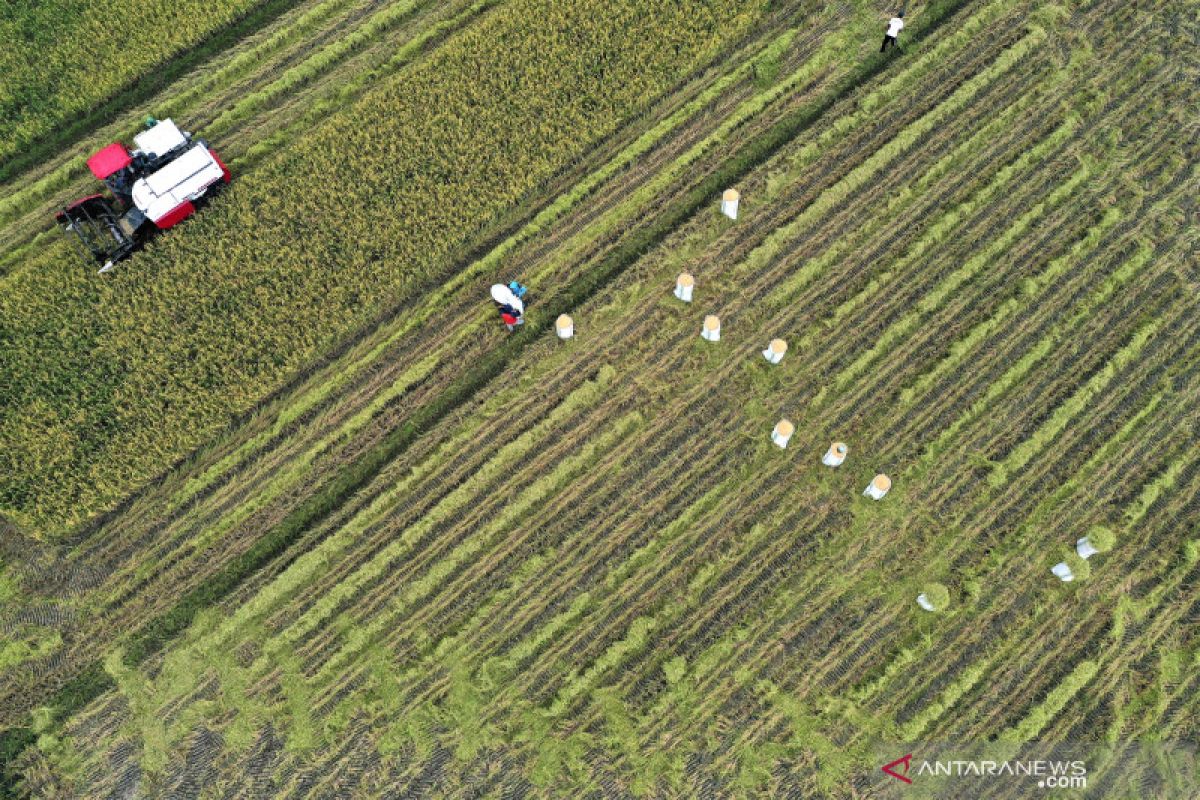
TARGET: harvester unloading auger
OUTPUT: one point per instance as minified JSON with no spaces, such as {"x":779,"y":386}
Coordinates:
{"x":156,"y":186}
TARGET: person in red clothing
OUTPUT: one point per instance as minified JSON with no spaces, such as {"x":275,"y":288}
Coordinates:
{"x":512,"y":308}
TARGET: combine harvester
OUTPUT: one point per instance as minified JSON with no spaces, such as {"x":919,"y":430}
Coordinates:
{"x":157,"y":185}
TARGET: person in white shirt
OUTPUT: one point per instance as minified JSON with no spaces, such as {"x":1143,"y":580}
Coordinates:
{"x":895,"y":25}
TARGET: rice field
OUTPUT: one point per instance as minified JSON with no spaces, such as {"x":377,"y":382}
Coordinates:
{"x":419,"y":556}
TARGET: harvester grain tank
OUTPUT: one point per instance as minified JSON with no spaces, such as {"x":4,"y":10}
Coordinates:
{"x":155,"y":186}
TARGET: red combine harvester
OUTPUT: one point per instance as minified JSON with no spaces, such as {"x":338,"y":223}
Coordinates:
{"x":156,"y":186}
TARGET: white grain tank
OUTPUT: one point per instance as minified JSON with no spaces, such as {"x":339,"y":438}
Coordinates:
{"x":878,"y":487}
{"x":835,"y":455}
{"x":1063,"y":572}
{"x":684,"y":285}
{"x":564,"y":326}
{"x":729,"y":203}
{"x":782,"y":432}
{"x":775,"y":351}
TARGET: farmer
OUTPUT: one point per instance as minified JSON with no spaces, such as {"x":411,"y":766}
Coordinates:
{"x":511,"y":307}
{"x":895,"y":25}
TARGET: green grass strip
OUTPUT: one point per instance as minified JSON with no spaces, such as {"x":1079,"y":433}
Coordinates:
{"x":142,"y":88}
{"x":862,"y":174}
{"x":314,"y":563}
{"x":294,"y":77}
{"x":1038,"y":718}
{"x":308,"y":26}
{"x":1073,"y":406}
{"x":416,"y":590}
